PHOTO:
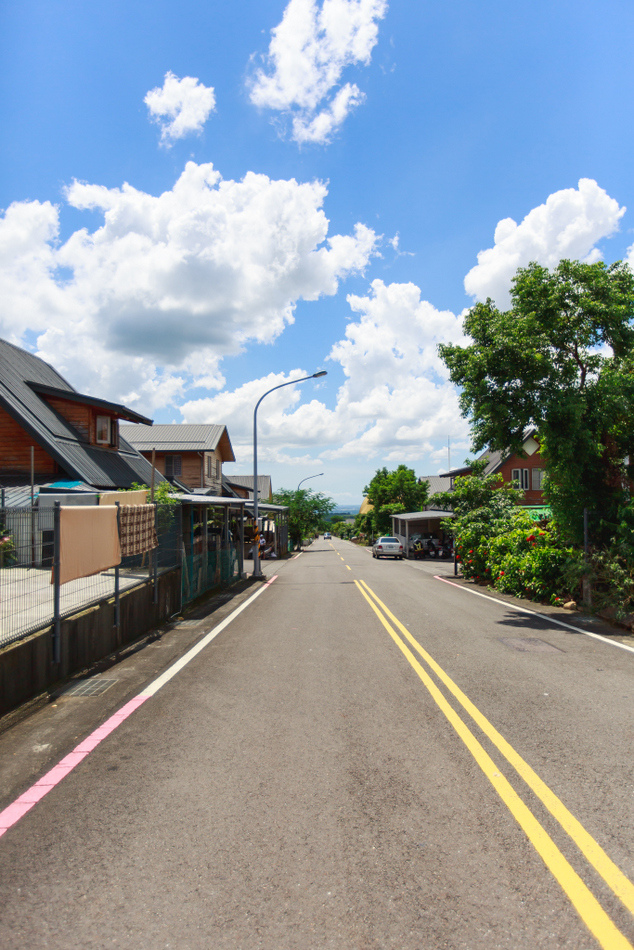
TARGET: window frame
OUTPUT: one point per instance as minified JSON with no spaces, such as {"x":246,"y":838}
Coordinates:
{"x":521,"y":475}
{"x":98,"y":421}
{"x":174,"y":460}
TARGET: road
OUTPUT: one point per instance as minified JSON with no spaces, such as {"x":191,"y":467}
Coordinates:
{"x":366,"y":756}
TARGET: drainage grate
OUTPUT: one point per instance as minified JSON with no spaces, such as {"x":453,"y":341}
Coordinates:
{"x":529,"y":645}
{"x":92,"y":687}
{"x":188,"y":623}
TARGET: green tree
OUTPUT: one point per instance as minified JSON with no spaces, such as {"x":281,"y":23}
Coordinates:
{"x":560,"y":359}
{"x":393,"y":492}
{"x":308,"y":512}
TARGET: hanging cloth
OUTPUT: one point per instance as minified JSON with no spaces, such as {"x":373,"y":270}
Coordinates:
{"x":137,"y":529}
{"x":89,"y":541}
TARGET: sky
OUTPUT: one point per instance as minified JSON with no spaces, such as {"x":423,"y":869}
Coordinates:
{"x":201,"y":200}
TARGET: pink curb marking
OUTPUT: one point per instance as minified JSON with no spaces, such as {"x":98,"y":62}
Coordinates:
{"x":23,"y":804}
{"x":33,"y":795}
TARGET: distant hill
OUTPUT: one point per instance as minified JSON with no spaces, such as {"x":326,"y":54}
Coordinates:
{"x":349,"y":511}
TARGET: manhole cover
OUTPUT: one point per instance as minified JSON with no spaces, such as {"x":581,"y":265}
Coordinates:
{"x":529,"y":645}
{"x":93,"y":687}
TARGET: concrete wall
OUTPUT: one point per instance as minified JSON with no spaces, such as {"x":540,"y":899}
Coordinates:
{"x":27,"y":669}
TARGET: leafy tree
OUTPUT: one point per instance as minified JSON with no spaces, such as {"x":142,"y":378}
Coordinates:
{"x":164,"y":493}
{"x":393,"y":492}
{"x":308,"y":512}
{"x":560,"y":359}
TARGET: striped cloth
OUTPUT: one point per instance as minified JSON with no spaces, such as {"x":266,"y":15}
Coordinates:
{"x":137,"y":529}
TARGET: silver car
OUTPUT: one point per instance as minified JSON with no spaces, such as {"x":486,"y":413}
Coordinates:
{"x":388,"y":547}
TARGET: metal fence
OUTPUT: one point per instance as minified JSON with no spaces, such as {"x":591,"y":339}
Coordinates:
{"x":216,"y":567}
{"x":30,"y":600}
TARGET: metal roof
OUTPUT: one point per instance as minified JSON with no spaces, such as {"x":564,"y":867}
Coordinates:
{"x":122,"y":411}
{"x":265,"y":488}
{"x":215,"y":500}
{"x":21,"y":373}
{"x":177,"y":437}
{"x":430,"y":514}
{"x":436,"y":483}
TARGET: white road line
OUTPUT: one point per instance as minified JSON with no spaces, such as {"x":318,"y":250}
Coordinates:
{"x":535,"y":613}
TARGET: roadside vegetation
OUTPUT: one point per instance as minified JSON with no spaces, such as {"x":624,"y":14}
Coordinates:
{"x":390,"y":493}
{"x":560,"y":359}
{"x":308,"y":512}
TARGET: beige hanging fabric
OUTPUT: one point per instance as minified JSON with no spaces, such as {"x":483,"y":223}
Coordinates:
{"x":88,"y":542}
{"x":137,"y":529}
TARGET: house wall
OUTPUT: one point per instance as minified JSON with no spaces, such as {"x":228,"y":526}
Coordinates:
{"x":15,"y":451}
{"x":532,"y":461}
{"x":193,"y":468}
{"x":84,"y":419}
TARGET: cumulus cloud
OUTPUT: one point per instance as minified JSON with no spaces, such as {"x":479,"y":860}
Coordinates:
{"x":178,"y":280}
{"x":395,"y":404}
{"x":180,"y":106}
{"x":568,"y":225}
{"x":308,"y":53}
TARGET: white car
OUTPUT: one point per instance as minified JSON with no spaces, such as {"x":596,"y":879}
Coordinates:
{"x":388,"y":547}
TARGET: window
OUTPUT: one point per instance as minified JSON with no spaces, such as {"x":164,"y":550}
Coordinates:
{"x":209,"y":464}
{"x":538,"y":479}
{"x":104,"y":430}
{"x":173,"y":465}
{"x":520,"y":475}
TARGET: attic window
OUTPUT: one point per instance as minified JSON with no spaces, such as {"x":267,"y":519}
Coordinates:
{"x":104,"y":430}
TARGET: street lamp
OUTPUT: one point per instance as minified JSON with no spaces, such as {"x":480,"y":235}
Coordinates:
{"x":257,"y":573}
{"x":309,"y":476}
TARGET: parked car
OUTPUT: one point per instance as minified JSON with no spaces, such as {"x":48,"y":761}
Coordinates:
{"x":388,"y":547}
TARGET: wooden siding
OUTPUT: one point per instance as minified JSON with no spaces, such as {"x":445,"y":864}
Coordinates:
{"x":15,"y":451}
{"x":83,"y":418}
{"x":193,"y":468}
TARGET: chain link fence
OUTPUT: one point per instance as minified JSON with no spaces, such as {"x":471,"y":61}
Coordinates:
{"x":27,"y":550}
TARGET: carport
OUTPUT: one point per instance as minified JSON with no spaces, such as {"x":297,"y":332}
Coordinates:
{"x":406,"y":524}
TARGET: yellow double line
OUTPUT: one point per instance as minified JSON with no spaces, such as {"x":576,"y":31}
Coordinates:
{"x":584,"y":902}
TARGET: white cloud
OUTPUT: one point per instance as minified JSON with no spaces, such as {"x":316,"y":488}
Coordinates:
{"x":308,"y":53}
{"x":395,"y":405}
{"x":180,"y":106}
{"x":168,"y":285}
{"x":568,"y":225}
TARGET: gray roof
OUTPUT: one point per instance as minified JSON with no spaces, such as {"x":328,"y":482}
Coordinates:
{"x":437,"y":484}
{"x":179,"y":437}
{"x":494,"y":459}
{"x":24,"y":380}
{"x":265,"y":487}
{"x":429,"y":513}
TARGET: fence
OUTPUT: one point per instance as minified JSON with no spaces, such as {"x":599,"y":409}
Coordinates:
{"x":28,"y":598}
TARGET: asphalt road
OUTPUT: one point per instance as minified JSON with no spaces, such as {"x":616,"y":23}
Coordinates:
{"x":365,"y":757}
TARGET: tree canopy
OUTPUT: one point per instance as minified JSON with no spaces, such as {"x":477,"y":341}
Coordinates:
{"x":560,"y":359}
{"x":308,"y":511}
{"x":393,"y":492}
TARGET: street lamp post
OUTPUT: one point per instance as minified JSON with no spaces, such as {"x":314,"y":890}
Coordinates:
{"x":257,"y":573}
{"x":309,"y":476}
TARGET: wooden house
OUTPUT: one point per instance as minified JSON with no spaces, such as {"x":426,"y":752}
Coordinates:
{"x":188,"y":455}
{"x":52,"y":433}
{"x":525,"y":468}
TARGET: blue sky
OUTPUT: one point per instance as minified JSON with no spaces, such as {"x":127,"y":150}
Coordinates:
{"x":202,"y":200}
